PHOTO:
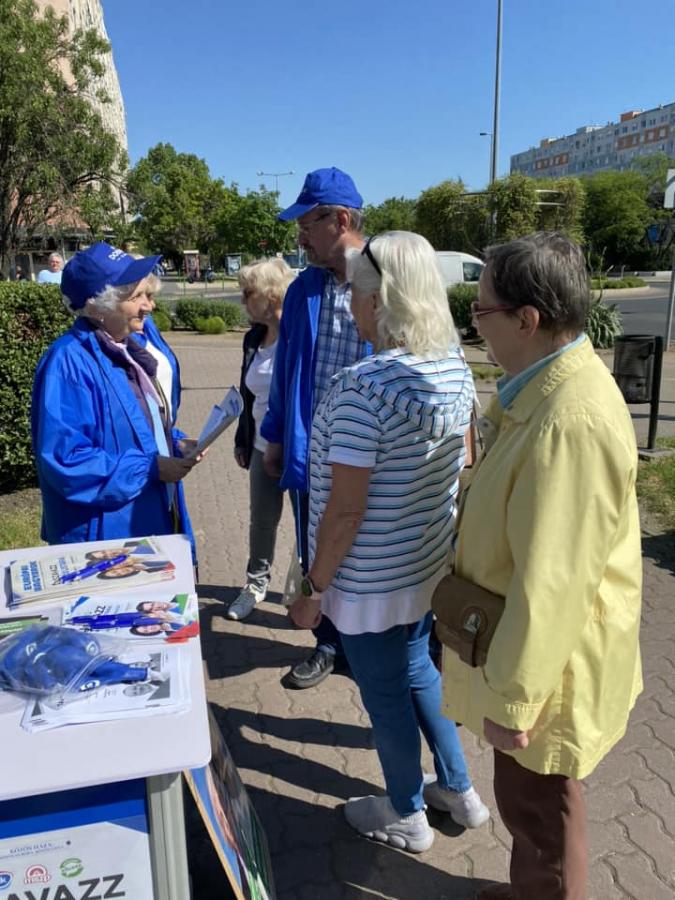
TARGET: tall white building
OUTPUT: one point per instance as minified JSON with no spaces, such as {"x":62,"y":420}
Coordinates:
{"x":593,"y":148}
{"x":88,"y":14}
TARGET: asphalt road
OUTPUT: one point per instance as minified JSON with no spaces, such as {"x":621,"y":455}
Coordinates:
{"x":644,"y":313}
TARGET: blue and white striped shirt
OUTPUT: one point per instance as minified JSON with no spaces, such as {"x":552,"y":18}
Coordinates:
{"x":338,"y":343}
{"x":404,"y":418}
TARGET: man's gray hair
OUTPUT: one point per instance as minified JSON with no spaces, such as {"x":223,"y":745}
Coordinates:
{"x":545,"y":270}
{"x":355,"y":216}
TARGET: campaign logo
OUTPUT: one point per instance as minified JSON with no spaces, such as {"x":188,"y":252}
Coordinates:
{"x":5,"y":880}
{"x":37,"y":875}
{"x":71,"y":868}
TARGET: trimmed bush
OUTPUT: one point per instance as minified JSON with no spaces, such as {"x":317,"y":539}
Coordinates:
{"x":603,"y":325}
{"x":32,"y":316}
{"x":161,"y":320}
{"x":212,"y":325}
{"x":188,"y":311}
{"x":617,"y":284}
{"x":460,"y":298}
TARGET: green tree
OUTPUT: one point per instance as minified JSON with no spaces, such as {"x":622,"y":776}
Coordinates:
{"x":513,"y":203}
{"x":567,"y":213}
{"x":451,"y":219}
{"x":616,"y":215}
{"x":53,"y":145}
{"x":176,"y":201}
{"x":247,"y":223}
{"x":393,"y":214}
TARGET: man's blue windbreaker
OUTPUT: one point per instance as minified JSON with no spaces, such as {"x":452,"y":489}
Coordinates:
{"x":95,"y":452}
{"x":288,"y":420}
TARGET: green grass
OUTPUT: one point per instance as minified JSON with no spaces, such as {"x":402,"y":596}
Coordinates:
{"x":656,"y":486}
{"x":20,"y":528}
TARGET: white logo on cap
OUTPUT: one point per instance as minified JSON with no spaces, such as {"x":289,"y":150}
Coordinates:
{"x":117,"y":254}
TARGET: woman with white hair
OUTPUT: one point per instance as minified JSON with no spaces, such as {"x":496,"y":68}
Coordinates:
{"x":263,"y":284}
{"x":109,"y":463}
{"x":386,"y":452}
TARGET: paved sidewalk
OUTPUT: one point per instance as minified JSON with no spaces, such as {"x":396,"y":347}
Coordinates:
{"x":303,"y":753}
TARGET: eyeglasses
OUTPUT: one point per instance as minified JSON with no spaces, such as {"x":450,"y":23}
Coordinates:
{"x":478,"y":311}
{"x":304,"y":227}
{"x":369,"y":254}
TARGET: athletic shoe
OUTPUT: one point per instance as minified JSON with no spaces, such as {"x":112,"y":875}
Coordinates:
{"x":312,"y":670}
{"x":376,"y":818}
{"x":467,"y":809}
{"x":243,"y":605}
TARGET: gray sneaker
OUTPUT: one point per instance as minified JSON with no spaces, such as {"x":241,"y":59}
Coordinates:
{"x":376,"y":818}
{"x":243,"y":605}
{"x":467,"y":809}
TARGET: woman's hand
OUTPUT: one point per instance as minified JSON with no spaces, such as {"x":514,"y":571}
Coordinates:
{"x":173,"y":468}
{"x":504,"y":738}
{"x":305,"y":611}
{"x":240,"y":457}
{"x":187,"y":446}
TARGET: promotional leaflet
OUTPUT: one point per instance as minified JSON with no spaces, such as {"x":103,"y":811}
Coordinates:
{"x":222,"y":415}
{"x":173,"y":618}
{"x":134,"y":563}
{"x":166,"y":691}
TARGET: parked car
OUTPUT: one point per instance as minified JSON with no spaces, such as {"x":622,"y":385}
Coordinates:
{"x":459,"y":268}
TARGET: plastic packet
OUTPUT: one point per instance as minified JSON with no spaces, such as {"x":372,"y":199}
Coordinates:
{"x":48,"y":660}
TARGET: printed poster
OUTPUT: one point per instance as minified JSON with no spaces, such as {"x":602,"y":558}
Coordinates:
{"x":233,"y":825}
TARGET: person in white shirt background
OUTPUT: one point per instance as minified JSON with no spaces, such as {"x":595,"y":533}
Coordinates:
{"x":263,"y":285}
{"x":52,"y":275}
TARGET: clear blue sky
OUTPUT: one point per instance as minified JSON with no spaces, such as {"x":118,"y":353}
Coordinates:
{"x":393,"y":91}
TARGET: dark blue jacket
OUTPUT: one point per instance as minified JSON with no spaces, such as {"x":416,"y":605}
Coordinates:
{"x":95,"y":451}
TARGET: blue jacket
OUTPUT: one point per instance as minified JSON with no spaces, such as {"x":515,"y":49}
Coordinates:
{"x":152,"y":333}
{"x":95,"y":452}
{"x":289,"y":417}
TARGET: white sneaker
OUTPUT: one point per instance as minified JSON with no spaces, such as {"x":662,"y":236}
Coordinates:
{"x":376,"y":818}
{"x":243,"y":605}
{"x":467,"y":809}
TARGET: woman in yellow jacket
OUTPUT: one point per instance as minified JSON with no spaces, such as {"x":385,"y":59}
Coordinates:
{"x":551,"y":523}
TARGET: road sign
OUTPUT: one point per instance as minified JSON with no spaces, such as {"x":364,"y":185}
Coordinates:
{"x":669,"y":196}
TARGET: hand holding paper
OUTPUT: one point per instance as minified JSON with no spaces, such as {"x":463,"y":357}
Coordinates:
{"x":222,"y":415}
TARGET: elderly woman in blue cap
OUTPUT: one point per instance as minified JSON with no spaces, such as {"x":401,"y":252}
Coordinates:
{"x":109,"y":463}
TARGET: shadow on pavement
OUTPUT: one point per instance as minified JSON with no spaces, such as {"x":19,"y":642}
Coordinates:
{"x":661,"y":549}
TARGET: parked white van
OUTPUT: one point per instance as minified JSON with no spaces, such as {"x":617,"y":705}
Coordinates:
{"x":459,"y":268}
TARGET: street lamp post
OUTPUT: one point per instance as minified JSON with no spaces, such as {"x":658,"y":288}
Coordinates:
{"x":498,"y":72}
{"x":492,"y":140}
{"x":276,"y":176}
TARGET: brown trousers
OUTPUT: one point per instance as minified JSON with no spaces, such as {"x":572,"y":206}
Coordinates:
{"x":546,"y":817}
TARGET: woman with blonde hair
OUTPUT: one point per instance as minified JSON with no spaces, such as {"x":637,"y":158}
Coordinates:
{"x":387,"y":448}
{"x":263,"y":285}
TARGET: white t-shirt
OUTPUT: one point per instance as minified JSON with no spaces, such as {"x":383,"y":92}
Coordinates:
{"x":258,"y":380}
{"x":164,"y":372}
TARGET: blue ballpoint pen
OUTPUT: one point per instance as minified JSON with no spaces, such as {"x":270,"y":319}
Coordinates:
{"x":94,"y":568}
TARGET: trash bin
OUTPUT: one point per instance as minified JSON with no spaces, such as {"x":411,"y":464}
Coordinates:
{"x":634,"y":364}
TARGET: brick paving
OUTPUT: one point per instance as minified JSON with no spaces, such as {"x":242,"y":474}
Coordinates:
{"x":303,"y":753}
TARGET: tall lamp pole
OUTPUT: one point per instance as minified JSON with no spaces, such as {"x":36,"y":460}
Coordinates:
{"x":495,"y":121}
{"x":492,"y":143}
{"x":276,"y":176}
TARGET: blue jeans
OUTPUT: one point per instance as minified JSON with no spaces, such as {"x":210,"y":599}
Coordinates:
{"x":326,"y":634}
{"x":401,"y":690}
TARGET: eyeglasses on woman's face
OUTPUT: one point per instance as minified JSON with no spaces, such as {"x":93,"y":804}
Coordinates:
{"x":477,"y":311}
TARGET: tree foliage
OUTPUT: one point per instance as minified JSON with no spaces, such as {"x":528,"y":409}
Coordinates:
{"x":393,"y":214}
{"x":247,"y":223}
{"x":53,"y":146}
{"x":450,"y":219}
{"x":616,"y":215}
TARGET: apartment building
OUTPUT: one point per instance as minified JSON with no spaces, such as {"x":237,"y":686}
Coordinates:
{"x":88,"y":14}
{"x":594,"y":148}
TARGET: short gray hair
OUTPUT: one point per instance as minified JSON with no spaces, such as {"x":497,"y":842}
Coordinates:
{"x":55,"y":256}
{"x":355,"y":216}
{"x":545,"y":270}
{"x":413,"y":309}
{"x":109,"y":298}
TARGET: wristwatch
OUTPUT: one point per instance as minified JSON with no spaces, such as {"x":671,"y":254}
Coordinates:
{"x":307,"y":588}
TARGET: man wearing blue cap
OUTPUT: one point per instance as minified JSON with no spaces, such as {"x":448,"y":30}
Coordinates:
{"x":109,"y":461}
{"x":317,"y":338}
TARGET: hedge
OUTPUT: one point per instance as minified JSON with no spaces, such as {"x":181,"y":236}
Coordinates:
{"x":460,"y":298}
{"x":189,"y":311}
{"x":32,"y":316}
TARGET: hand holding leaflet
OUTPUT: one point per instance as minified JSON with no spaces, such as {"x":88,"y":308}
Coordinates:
{"x":222,"y":415}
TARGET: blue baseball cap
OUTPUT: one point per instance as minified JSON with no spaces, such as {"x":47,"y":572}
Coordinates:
{"x":324,"y":187}
{"x":100,"y":266}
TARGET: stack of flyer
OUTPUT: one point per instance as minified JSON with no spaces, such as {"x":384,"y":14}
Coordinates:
{"x":134,"y":563}
{"x":156,"y":616}
{"x":167,"y":691}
